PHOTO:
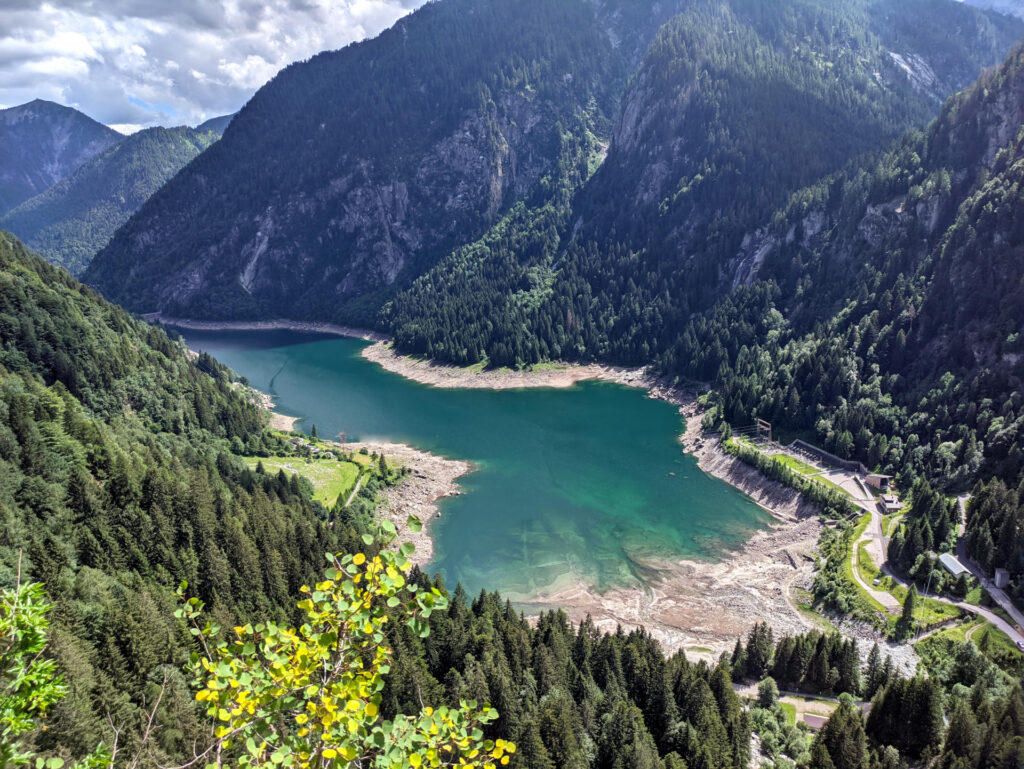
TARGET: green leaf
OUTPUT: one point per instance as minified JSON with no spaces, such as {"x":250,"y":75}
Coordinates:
{"x":414,"y":524}
{"x":367,"y":539}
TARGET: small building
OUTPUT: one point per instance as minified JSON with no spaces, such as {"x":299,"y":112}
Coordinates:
{"x":950,"y":563}
{"x":879,"y":481}
{"x":1002,"y":578}
{"x":814,"y":722}
{"x":890,"y":503}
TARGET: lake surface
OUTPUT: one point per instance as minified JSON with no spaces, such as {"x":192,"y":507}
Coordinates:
{"x":586,"y":482}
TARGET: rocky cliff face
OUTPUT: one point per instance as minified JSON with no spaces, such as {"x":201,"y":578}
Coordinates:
{"x":41,"y":143}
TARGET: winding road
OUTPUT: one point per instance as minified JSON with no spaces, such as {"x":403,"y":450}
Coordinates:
{"x":876,"y":546}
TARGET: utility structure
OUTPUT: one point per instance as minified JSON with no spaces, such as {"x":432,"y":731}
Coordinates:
{"x":764,"y":430}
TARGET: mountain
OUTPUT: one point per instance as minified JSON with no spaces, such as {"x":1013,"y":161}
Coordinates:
{"x":41,"y":143}
{"x":73,"y":219}
{"x":325,"y":201}
{"x":881,"y":310}
{"x":734,"y":107}
{"x":216,"y":124}
{"x":358,"y":169}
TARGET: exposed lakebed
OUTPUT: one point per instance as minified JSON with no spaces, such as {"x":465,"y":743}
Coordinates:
{"x":583,"y":483}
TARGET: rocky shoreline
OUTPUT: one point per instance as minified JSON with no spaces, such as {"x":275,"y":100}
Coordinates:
{"x":431,"y":478}
{"x":556,"y":375}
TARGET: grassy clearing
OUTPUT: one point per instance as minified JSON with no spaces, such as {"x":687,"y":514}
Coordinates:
{"x":999,"y":648}
{"x":330,"y":477}
{"x":362,"y":459}
{"x":974,"y":595}
{"x":797,"y":465}
{"x":790,"y":711}
{"x":814,"y":705}
{"x":928,"y":612}
{"x":888,"y":523}
{"x":858,"y":530}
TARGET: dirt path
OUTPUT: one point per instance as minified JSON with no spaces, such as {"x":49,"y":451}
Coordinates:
{"x":359,"y":485}
{"x":892,"y":606}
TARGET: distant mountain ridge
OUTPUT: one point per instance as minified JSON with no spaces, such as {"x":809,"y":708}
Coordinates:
{"x":41,"y":143}
{"x":75,"y":218}
{"x":216,"y":124}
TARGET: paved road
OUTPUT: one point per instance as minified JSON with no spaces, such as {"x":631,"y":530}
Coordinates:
{"x":996,"y":620}
{"x":876,"y":544}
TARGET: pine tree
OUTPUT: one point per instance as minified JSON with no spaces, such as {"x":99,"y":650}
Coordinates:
{"x":530,"y":750}
{"x":874,"y":672}
{"x":905,"y":624}
{"x":843,"y":738}
{"x":767,"y":693}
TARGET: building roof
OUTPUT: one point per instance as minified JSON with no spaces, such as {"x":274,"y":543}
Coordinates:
{"x":952,"y":565}
{"x":813,"y":721}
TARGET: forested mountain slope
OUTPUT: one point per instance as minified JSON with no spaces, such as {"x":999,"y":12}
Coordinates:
{"x":41,"y":143}
{"x":359,"y":168}
{"x":734,"y":107}
{"x":217,"y":124}
{"x":893,"y":296}
{"x":116,"y":483}
{"x":73,"y":219}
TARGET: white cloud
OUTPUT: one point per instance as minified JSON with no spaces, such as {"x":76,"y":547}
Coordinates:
{"x":126,"y":128}
{"x":137,"y":63}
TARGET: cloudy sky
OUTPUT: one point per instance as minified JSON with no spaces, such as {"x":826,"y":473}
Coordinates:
{"x":137,"y":63}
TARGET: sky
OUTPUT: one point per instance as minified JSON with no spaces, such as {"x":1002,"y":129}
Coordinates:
{"x":137,"y":63}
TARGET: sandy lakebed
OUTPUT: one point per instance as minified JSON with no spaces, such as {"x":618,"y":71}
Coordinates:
{"x":700,"y":606}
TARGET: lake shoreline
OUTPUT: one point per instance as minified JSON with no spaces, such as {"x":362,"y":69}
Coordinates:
{"x":431,"y":478}
{"x":689,"y":604}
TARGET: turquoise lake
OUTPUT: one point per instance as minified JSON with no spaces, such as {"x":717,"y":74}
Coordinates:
{"x":587,"y":482}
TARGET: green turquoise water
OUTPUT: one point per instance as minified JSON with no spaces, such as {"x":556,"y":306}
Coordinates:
{"x":585,"y":482}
